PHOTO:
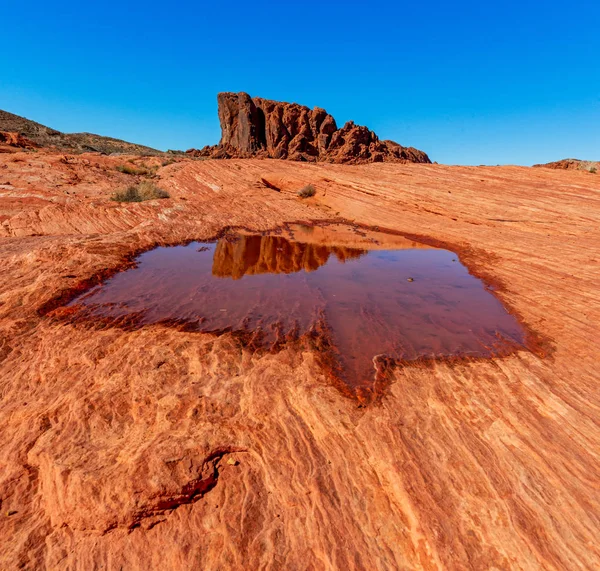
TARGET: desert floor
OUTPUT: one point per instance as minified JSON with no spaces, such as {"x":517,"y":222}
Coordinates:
{"x":161,"y":448}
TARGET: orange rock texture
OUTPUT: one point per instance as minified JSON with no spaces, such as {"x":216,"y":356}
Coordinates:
{"x":15,"y":140}
{"x":165,"y":449}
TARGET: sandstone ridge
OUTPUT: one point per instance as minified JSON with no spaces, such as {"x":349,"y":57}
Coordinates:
{"x":256,"y":127}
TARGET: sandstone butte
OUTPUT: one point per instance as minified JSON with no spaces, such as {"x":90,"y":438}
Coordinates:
{"x":158,"y":448}
{"x":256,"y":127}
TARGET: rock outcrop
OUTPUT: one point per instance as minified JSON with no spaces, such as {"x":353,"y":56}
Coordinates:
{"x":16,"y":140}
{"x":256,"y":127}
{"x":572,"y":164}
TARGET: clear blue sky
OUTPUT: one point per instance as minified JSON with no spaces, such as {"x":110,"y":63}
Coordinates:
{"x":468,"y":82}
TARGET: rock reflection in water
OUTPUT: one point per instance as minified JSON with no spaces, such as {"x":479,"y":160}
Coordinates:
{"x":404,"y":302}
{"x":251,"y":255}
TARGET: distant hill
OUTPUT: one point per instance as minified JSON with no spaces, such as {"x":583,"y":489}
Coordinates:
{"x":70,"y":142}
{"x":573,"y":164}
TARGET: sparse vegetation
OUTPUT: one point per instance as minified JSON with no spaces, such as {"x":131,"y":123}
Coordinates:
{"x":133,"y":169}
{"x":70,"y":142}
{"x":307,"y":191}
{"x":145,"y":190}
{"x":589,"y":166}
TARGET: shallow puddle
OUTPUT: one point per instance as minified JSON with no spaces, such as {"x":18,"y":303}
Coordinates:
{"x":377,"y":294}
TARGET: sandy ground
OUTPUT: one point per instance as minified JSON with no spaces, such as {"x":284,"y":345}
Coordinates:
{"x":164,"y":449}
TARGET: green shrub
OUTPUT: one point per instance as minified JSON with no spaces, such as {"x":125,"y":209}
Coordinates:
{"x":308,"y":191}
{"x":593,"y":170}
{"x":145,"y":190}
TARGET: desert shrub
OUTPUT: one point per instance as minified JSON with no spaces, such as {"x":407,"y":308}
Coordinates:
{"x":132,"y":169}
{"x":145,"y":190}
{"x":307,"y":191}
{"x":589,"y":166}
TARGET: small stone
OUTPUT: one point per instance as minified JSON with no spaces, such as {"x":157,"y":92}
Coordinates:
{"x":410,"y":280}
{"x":232,"y":461}
{"x":11,"y":512}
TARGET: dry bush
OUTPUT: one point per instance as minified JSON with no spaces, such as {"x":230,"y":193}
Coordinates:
{"x":145,"y":190}
{"x":132,"y":169}
{"x":589,"y":166}
{"x":307,"y":191}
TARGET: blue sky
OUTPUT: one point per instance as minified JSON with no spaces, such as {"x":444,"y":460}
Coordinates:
{"x":486,"y":82}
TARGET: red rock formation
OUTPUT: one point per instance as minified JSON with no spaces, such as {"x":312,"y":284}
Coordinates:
{"x":572,"y":164}
{"x":16,"y":140}
{"x":565,"y":164}
{"x":256,"y":127}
